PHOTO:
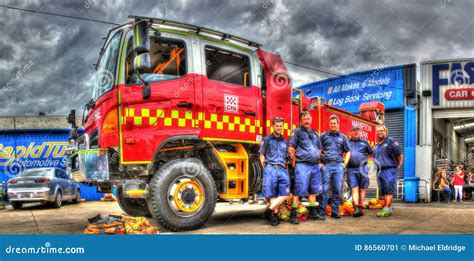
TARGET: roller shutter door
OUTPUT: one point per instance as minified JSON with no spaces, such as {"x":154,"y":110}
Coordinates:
{"x":394,"y":121}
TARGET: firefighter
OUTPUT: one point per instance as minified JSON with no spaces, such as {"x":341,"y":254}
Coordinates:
{"x":332,"y":166}
{"x":357,"y":170}
{"x":305,"y":148}
{"x":388,"y":156}
{"x":276,"y":181}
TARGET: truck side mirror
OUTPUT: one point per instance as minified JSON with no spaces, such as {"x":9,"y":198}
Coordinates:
{"x":142,"y":62}
{"x":141,"y":46}
{"x":141,"y":37}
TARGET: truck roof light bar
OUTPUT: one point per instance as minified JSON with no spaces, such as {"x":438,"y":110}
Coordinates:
{"x":197,"y":29}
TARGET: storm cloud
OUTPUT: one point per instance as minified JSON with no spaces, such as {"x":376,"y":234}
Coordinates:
{"x":46,"y":62}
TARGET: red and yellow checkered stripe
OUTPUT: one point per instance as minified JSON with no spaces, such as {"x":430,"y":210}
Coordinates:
{"x":179,"y":118}
{"x":286,"y":127}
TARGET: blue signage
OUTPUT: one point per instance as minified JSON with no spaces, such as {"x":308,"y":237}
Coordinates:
{"x":349,"y":91}
{"x":457,"y":74}
{"x":42,"y":148}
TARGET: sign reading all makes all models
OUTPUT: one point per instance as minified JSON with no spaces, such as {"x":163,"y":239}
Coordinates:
{"x":349,"y":91}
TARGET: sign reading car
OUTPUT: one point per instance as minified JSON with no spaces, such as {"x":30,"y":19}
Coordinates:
{"x":459,"y":74}
{"x":349,"y":91}
{"x":459,"y":94}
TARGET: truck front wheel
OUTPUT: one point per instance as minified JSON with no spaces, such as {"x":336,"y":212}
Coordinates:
{"x":182,"y":195}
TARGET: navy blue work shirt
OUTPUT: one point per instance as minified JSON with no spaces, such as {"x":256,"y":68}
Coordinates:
{"x":360,"y":150}
{"x":334,"y":144}
{"x":307,"y":145}
{"x":275,"y":150}
{"x":386,"y":153}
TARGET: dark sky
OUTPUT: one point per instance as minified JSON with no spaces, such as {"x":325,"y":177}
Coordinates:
{"x":46,"y":62}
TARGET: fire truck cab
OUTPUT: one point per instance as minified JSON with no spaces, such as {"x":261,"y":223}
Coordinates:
{"x":176,"y":117}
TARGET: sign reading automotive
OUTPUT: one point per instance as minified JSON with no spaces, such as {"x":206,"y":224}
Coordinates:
{"x":454,"y":77}
{"x":34,"y":155}
{"x":349,"y":91}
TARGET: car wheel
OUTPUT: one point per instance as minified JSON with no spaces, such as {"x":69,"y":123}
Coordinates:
{"x":77,"y":199}
{"x":17,"y":205}
{"x":58,"y":200}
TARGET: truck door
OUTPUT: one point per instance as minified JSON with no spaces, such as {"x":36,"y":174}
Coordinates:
{"x":277,"y":92}
{"x":170,"y":109}
{"x":230,"y":106}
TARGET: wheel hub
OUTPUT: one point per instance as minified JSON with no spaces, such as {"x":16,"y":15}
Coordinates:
{"x":185,"y":196}
{"x":188,"y":196}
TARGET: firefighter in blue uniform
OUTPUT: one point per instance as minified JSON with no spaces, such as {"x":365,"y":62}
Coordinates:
{"x":332,"y":166}
{"x":357,"y":170}
{"x":388,"y":156}
{"x":305,"y":148}
{"x":276,"y":182}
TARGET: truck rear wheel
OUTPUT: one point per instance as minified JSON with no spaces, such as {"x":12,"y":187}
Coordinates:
{"x":182,"y":195}
{"x":135,"y":207}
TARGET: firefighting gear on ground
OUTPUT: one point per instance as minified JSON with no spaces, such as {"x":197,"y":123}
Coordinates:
{"x":301,"y":212}
{"x":117,"y":225}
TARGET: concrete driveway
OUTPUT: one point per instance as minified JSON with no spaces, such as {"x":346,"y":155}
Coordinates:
{"x":433,"y":218}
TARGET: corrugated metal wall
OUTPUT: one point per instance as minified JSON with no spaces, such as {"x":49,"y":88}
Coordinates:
{"x":395,"y":121}
{"x":23,"y":149}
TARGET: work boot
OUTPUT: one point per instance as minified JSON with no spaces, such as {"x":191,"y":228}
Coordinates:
{"x":358,"y":211}
{"x":294,"y":217}
{"x":268,"y":214}
{"x":314,"y":214}
{"x":274,"y":219}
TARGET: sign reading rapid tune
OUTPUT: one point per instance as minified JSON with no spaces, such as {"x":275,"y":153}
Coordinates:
{"x":33,"y":155}
{"x":349,"y":91}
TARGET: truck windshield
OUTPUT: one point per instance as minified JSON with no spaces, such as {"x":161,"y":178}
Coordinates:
{"x":167,"y":57}
{"x":35,"y":173}
{"x":104,"y":77}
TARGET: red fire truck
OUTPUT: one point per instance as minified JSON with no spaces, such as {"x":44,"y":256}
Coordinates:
{"x":177,"y":114}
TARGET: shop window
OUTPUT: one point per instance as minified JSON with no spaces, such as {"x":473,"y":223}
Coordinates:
{"x":229,"y":67}
{"x":167,"y":57}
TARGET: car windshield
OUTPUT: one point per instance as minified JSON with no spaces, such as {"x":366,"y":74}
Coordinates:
{"x":35,"y":173}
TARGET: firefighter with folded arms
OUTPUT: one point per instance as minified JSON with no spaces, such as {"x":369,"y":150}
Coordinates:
{"x":334,"y":144}
{"x":357,"y":170}
{"x":389,"y":157}
{"x":276,"y":181}
{"x":305,"y":148}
